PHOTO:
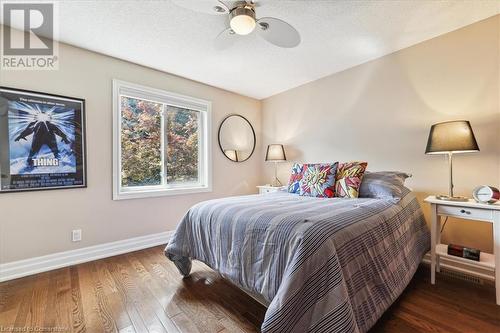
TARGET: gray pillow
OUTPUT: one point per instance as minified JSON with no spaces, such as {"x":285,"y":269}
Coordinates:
{"x":383,"y":184}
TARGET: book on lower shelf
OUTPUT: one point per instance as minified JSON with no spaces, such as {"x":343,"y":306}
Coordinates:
{"x":464,"y":252}
{"x":486,"y":260}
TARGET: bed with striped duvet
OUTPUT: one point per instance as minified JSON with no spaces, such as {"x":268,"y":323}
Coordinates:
{"x":323,"y":265}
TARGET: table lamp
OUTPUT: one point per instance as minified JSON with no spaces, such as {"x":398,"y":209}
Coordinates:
{"x":275,"y":153}
{"x":451,"y":137}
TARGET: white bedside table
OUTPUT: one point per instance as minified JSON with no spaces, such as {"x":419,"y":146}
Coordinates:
{"x":469,"y":210}
{"x":268,"y":189}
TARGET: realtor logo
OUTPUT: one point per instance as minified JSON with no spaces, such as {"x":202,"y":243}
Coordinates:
{"x":28,"y":36}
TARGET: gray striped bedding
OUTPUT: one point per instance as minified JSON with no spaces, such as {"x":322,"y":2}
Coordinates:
{"x":325,"y":265}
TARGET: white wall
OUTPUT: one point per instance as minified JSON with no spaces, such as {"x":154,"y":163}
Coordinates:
{"x":381,"y":112}
{"x":39,"y":223}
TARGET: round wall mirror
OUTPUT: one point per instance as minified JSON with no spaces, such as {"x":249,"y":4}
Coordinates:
{"x":236,"y":138}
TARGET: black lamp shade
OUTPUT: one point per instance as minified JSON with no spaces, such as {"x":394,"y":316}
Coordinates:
{"x":275,"y":152}
{"x":451,"y":137}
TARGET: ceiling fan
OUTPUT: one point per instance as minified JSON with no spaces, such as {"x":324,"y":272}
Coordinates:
{"x":241,"y":20}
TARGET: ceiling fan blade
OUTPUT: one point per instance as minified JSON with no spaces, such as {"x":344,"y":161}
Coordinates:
{"x":214,"y":7}
{"x":278,"y":32}
{"x":225,"y":39}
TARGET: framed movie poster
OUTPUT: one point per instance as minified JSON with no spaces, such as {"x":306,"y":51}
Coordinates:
{"x":42,"y":141}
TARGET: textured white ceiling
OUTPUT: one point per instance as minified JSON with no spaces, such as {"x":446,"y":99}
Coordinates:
{"x":336,"y":35}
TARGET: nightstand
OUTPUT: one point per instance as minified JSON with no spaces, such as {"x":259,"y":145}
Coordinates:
{"x":268,"y":189}
{"x":469,"y":210}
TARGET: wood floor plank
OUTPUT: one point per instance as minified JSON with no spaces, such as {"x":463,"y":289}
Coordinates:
{"x":134,"y":295}
{"x":230,"y":326}
{"x":200,"y":287}
{"x":466,"y":322}
{"x":8,"y":317}
{"x":184,"y":323}
{"x":39,"y":300}
{"x":63,"y":300}
{"x":93,"y":321}
{"x":12,"y":291}
{"x":143,"y":292}
{"x":204,"y":316}
{"x":153,"y":291}
{"x":77,"y":315}
{"x":15,"y":294}
{"x":116,"y":303}
{"x":424,"y":323}
{"x":50,"y":316}
{"x":445,"y":295}
{"x":25,"y":314}
{"x":135,"y":318}
{"x":4,"y":294}
{"x":128,"y":329}
{"x":182,"y":297}
{"x":165,"y":280}
{"x":103,"y":307}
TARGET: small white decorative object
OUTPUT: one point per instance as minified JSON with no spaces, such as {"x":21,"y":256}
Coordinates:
{"x":486,"y":194}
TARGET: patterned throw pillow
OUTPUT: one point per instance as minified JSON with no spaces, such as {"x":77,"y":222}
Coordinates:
{"x":295,"y":177}
{"x":348,"y":179}
{"x":318,"y":180}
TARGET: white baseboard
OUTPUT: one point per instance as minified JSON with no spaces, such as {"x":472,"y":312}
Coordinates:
{"x":17,"y":269}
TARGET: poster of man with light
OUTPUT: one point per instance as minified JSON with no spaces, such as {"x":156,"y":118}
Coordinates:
{"x":41,"y":141}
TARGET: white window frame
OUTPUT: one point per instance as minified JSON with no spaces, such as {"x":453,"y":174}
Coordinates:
{"x":204,"y":148}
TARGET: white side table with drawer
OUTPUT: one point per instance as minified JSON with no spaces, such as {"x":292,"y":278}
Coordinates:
{"x":263,"y":189}
{"x":469,"y":210}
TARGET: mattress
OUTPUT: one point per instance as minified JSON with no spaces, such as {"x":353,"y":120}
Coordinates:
{"x":322,"y":264}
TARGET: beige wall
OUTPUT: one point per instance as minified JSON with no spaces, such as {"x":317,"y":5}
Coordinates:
{"x":39,"y":223}
{"x":381,"y":112}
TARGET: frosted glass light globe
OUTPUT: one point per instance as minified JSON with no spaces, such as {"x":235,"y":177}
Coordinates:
{"x":243,"y":22}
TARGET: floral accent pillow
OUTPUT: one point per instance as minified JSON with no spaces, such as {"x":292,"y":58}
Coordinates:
{"x":348,"y":179}
{"x":318,"y":180}
{"x":295,"y":177}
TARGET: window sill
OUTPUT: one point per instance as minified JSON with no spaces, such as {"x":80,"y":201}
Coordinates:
{"x":125,"y":195}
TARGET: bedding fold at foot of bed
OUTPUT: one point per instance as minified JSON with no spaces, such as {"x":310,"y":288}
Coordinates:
{"x":183,"y":264}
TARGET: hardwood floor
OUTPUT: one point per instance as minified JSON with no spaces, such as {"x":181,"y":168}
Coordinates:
{"x":143,"y":292}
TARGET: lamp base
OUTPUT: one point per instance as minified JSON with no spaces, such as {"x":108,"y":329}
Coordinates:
{"x":448,"y":198}
{"x":276,"y":183}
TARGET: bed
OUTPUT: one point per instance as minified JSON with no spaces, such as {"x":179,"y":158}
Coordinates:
{"x":321,"y":265}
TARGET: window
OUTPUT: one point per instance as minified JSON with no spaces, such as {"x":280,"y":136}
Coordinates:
{"x":161,"y":143}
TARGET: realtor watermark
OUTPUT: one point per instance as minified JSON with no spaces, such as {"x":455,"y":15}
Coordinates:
{"x":29,"y":35}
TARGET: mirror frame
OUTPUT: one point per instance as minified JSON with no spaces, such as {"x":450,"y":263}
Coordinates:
{"x":253,"y":133}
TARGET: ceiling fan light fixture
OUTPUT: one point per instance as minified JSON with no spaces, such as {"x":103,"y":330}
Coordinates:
{"x":242,"y":20}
